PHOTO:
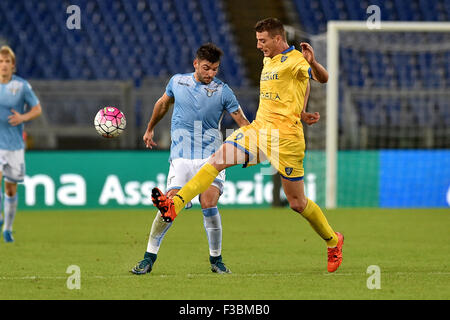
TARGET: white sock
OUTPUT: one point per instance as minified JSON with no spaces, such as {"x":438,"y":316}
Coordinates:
{"x":10,"y":212}
{"x":157,"y":233}
{"x":213,"y":228}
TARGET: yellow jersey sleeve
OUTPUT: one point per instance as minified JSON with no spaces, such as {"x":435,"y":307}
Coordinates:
{"x":302,"y":68}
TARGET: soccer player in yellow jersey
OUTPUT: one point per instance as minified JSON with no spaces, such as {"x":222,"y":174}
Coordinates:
{"x":276,"y":134}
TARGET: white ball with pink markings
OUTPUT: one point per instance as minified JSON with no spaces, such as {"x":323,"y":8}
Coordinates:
{"x":110,"y":122}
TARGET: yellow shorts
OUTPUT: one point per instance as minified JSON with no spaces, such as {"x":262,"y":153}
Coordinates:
{"x":262,"y":143}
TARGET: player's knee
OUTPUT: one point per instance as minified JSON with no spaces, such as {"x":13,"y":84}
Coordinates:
{"x":227,"y":156}
{"x":10,"y":189}
{"x":217,"y":161}
{"x":298,"y":204}
{"x":207,"y":202}
{"x":10,"y":193}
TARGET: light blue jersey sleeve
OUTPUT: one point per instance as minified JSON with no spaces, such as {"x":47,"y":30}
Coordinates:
{"x":169,"y":88}
{"x":29,"y":96}
{"x":229,"y":100}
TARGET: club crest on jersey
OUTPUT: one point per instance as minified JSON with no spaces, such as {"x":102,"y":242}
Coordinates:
{"x":14,"y":87}
{"x":288,"y":170}
{"x":209,"y":92}
{"x":284,"y":58}
{"x":240,"y":135}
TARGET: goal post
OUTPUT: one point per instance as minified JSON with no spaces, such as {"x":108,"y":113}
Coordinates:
{"x":334,"y":29}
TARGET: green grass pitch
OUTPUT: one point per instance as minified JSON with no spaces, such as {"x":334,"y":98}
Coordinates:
{"x":274,"y":255}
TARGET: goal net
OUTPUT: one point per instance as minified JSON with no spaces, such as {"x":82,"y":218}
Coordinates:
{"x":387,"y":116}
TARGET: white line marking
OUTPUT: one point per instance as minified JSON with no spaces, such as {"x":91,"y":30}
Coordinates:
{"x":203,"y":275}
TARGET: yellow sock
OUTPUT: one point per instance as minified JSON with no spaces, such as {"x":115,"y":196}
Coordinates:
{"x":198,"y":184}
{"x":319,"y":223}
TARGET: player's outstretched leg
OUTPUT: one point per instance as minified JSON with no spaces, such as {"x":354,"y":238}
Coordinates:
{"x":227,"y":156}
{"x":199,"y":183}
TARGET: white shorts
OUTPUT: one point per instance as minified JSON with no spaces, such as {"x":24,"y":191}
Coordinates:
{"x":12,"y":165}
{"x":182,"y":170}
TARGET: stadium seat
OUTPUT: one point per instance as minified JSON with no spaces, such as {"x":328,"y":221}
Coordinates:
{"x":115,"y":34}
{"x":315,"y":14}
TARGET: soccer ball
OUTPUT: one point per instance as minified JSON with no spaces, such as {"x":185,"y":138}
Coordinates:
{"x":110,"y":122}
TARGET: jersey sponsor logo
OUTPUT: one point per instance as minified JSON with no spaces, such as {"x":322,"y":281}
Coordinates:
{"x":283,"y":58}
{"x":184,"y":83}
{"x":266,"y":76}
{"x":209,"y":92}
{"x":270,"y":96}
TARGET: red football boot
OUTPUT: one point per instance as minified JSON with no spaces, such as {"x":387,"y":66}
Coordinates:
{"x":335,"y":254}
{"x":164,"y":204}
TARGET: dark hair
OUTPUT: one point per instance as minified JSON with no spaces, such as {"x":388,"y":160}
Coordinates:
{"x":272,"y":25}
{"x":209,"y":52}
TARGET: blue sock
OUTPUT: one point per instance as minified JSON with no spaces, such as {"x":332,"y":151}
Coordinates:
{"x":213,"y":228}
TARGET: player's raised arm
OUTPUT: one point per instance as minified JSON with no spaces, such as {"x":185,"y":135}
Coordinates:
{"x":159,"y":111}
{"x":319,"y":73}
{"x":239,"y":117}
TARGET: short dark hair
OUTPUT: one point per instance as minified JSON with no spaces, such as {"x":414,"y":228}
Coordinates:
{"x":210,"y":52}
{"x":272,"y":25}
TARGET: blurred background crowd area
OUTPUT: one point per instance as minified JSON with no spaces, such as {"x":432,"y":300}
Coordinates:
{"x":393,"y":87}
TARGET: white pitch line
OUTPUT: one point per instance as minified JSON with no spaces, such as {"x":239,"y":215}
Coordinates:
{"x":251,"y":275}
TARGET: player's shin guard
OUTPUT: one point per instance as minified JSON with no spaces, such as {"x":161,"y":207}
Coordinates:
{"x":198,"y":184}
{"x":10,"y":212}
{"x":213,"y":228}
{"x":157,"y":233}
{"x":319,"y":223}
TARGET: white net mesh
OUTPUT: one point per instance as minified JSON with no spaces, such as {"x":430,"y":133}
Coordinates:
{"x":394,"y":90}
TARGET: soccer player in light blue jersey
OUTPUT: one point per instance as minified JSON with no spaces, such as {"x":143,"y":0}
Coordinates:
{"x":200,"y":100}
{"x":15,"y":93}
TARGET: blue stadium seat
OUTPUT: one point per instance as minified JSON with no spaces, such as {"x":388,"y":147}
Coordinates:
{"x":121,"y":39}
{"x":401,"y":67}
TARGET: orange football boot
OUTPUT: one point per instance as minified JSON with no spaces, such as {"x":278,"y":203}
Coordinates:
{"x":335,"y":254}
{"x":164,"y":204}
